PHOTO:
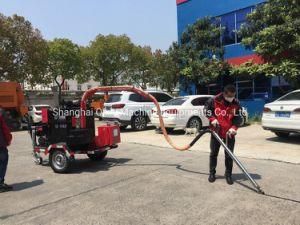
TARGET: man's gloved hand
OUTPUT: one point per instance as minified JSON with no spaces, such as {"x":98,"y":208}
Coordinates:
{"x":231,"y":132}
{"x":215,"y":123}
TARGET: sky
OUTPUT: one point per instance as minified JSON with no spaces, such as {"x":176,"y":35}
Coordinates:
{"x":146,"y":22}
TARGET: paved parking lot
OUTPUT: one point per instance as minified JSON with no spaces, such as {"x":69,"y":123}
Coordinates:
{"x":252,"y":142}
{"x":146,"y":184}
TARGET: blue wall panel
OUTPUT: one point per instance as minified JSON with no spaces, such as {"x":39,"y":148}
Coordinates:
{"x":254,"y":107}
{"x":236,"y":50}
{"x":192,"y":10}
{"x":186,"y":89}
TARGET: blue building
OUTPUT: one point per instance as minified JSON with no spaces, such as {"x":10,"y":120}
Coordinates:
{"x":232,"y":14}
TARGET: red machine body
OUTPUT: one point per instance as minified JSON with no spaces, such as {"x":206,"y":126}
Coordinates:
{"x":44,"y":115}
{"x":108,"y":135}
{"x":59,"y":137}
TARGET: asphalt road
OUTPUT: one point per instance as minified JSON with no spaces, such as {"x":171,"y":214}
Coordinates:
{"x":141,"y":184}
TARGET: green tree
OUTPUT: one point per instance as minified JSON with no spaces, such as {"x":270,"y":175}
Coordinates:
{"x":140,"y":64}
{"x":165,"y":69}
{"x":23,"y":51}
{"x":273,"y":32}
{"x":108,"y":58}
{"x":201,"y":52}
{"x":65,"y":61}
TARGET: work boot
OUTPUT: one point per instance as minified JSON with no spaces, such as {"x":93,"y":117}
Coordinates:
{"x":212,"y":178}
{"x":229,"y":180}
{"x":5,"y":188}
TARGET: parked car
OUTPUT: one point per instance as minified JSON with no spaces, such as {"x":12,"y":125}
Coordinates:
{"x":35,"y":113}
{"x":283,"y":115}
{"x":183,"y":112}
{"x":245,"y":117}
{"x":128,"y":108}
{"x":186,"y":112}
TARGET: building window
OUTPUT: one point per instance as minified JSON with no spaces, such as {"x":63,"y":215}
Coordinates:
{"x":89,"y":86}
{"x":232,"y":23}
{"x":241,"y":16}
{"x":228,"y":22}
{"x":79,"y":87}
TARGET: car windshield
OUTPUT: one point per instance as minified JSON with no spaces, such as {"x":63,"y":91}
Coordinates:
{"x":39,"y":108}
{"x":291,"y":97}
{"x":114,"y":98}
{"x":176,"y":101}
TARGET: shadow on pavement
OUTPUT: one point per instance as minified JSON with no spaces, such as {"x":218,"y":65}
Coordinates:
{"x":237,"y":177}
{"x":86,"y":165}
{"x":129,"y":129}
{"x":292,"y":139}
{"x":241,"y":177}
{"x":25,"y":185}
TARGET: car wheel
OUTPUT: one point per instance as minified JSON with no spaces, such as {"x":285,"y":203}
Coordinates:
{"x":139,"y":123}
{"x":98,"y":156}
{"x":195,"y":122}
{"x":282,"y":134}
{"x":59,"y":161}
{"x":243,"y":121}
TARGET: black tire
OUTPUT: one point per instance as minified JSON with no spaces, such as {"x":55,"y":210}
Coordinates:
{"x":195,"y":122}
{"x":282,"y":134}
{"x":59,"y":161}
{"x":139,"y":123}
{"x":97,"y":156}
{"x":243,"y":121}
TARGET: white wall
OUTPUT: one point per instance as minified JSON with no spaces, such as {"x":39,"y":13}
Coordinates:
{"x":73,"y":85}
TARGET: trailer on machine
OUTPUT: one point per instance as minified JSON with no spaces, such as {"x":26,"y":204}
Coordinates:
{"x":59,"y":137}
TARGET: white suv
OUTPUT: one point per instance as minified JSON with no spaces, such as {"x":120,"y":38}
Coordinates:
{"x":35,"y":113}
{"x":129,"y":108}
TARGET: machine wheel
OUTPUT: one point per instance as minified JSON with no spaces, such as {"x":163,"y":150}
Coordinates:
{"x":195,"y":122}
{"x":282,"y":134}
{"x":139,"y":123}
{"x":98,"y":156}
{"x":59,"y":161}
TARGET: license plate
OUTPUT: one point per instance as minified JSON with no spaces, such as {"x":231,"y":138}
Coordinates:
{"x":283,"y":114}
{"x":108,"y":107}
